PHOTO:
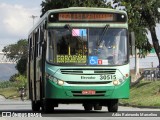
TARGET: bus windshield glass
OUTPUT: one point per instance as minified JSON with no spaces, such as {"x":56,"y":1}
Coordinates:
{"x":87,"y":46}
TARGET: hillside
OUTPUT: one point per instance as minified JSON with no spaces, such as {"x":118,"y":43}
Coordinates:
{"x":6,"y":70}
{"x":146,"y":93}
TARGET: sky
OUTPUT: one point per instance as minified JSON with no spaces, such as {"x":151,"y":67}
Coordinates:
{"x":15,"y":19}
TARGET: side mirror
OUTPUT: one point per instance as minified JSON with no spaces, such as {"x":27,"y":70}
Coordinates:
{"x":132,"y":43}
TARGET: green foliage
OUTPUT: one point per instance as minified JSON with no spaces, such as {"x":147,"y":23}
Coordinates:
{"x":22,"y":66}
{"x":10,"y":89}
{"x":137,"y":25}
{"x":18,"y":52}
{"x":16,"y":80}
{"x":9,"y":93}
{"x":143,"y":14}
{"x":56,"y":4}
{"x":7,"y":84}
{"x":13,"y":77}
{"x":146,"y":93}
{"x":21,"y":81}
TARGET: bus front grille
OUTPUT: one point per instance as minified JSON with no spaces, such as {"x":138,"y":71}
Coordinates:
{"x":87,"y":83}
{"x":88,"y":71}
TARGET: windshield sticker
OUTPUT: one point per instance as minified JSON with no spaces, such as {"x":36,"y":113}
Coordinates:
{"x":79,"y":32}
{"x":93,"y":60}
{"x":99,"y":62}
{"x":102,"y":62}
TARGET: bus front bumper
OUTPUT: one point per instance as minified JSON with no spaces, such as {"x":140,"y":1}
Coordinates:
{"x":54,"y":91}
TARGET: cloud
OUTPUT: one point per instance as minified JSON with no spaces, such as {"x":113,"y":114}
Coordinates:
{"x":16,"y":21}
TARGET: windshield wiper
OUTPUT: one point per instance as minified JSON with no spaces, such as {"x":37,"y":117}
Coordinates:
{"x":69,"y":27}
{"x":102,"y":35}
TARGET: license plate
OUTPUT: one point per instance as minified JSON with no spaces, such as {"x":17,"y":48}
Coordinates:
{"x":88,"y":92}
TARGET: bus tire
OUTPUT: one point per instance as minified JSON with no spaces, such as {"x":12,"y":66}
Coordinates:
{"x":97,"y":107}
{"x":113,"y":105}
{"x":36,"y":106}
{"x":88,"y":107}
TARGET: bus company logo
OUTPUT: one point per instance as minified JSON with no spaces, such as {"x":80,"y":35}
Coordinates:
{"x":15,"y":114}
{"x":6,"y":114}
{"x":91,"y":77}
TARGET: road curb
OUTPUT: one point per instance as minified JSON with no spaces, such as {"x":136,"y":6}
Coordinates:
{"x":136,"y":106}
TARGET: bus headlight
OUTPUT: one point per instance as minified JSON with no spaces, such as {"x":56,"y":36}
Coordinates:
{"x":60,"y":82}
{"x":54,"y":79}
{"x":116,"y":82}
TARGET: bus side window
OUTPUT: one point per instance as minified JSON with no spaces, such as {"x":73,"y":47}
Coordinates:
{"x":41,"y":40}
{"x":36,"y":42}
{"x":32,"y":48}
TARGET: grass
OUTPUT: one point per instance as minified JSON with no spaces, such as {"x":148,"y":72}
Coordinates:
{"x":146,"y":93}
{"x":9,"y":89}
{"x":9,"y":93}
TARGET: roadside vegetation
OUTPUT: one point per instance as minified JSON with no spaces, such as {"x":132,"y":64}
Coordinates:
{"x":10,"y":89}
{"x":18,"y":53}
{"x":146,"y":93}
{"x":9,"y":93}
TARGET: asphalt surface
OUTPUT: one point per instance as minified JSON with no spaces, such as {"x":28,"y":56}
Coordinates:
{"x":18,"y":109}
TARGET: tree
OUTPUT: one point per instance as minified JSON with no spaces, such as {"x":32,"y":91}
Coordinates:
{"x":143,"y":16}
{"x":17,"y":53}
{"x":55,"y":4}
{"x":22,"y":65}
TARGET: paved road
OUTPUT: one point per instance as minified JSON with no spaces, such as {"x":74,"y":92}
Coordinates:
{"x":64,"y":111}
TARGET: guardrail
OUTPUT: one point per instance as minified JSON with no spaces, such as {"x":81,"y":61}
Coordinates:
{"x":151,"y":74}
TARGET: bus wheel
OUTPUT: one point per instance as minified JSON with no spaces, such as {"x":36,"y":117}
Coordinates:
{"x":113,"y":105}
{"x":36,"y":105}
{"x":88,"y":107}
{"x":97,"y":107}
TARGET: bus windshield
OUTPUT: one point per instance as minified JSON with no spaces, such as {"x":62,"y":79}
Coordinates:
{"x":87,"y":46}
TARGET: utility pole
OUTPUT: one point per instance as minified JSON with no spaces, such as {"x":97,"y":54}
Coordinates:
{"x":33,"y":17}
{"x":136,"y":62}
{"x":135,"y":52}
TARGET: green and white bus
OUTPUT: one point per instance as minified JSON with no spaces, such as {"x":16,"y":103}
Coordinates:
{"x":79,"y":55}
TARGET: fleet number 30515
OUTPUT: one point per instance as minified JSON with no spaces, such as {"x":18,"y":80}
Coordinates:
{"x":107,"y":77}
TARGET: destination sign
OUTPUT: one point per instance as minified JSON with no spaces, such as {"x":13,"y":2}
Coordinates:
{"x":71,"y":59}
{"x":86,"y":17}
